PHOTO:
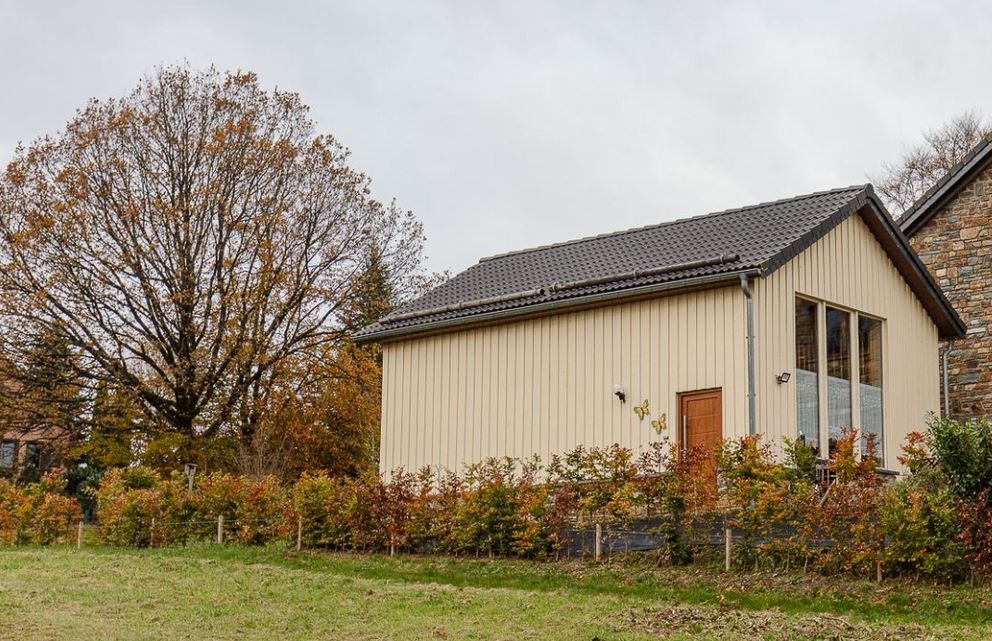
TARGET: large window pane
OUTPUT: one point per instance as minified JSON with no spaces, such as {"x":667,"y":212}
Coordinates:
{"x":838,"y":373}
{"x":807,"y":379}
{"x":8,"y":450}
{"x":32,"y":455}
{"x":870,"y":375}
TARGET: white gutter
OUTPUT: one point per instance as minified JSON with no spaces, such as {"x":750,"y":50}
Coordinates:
{"x":553,"y":305}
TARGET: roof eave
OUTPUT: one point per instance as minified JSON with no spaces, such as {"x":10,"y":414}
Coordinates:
{"x":386,"y":335}
{"x":931,"y":203}
{"x":895,"y":243}
{"x":943,"y":314}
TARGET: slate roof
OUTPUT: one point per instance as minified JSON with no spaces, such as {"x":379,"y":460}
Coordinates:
{"x":753,"y":240}
{"x":930,"y":202}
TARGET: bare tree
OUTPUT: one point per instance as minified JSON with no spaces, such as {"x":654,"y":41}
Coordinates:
{"x":903,"y":183}
{"x":189,"y":240}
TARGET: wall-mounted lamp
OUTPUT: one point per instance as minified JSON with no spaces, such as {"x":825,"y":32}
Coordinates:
{"x":783,"y":377}
{"x":619,"y":393}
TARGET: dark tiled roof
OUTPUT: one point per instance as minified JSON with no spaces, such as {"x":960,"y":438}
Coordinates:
{"x":930,"y":202}
{"x":755,"y":239}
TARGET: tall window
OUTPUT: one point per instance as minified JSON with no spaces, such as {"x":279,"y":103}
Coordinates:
{"x":32,"y":455}
{"x":8,"y":449}
{"x":838,"y":374}
{"x":807,"y":377}
{"x":834,"y":338}
{"x":870,"y":375}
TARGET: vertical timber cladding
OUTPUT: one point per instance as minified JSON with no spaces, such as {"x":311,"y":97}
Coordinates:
{"x":545,"y":385}
{"x":847,"y":267}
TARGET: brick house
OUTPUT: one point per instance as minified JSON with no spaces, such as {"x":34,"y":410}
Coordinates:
{"x":28,"y":449}
{"x":950,"y":227}
{"x":35,"y":449}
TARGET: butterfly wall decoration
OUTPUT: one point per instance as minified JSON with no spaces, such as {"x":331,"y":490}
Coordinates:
{"x":641,"y":410}
{"x":660,"y":424}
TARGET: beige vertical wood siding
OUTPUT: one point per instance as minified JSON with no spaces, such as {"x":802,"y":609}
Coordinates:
{"x":545,"y":385}
{"x":848,"y":268}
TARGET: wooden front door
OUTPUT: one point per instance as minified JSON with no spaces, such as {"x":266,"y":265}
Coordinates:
{"x":701,"y":425}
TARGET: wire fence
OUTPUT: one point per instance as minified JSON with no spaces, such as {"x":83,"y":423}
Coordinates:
{"x":579,"y":539}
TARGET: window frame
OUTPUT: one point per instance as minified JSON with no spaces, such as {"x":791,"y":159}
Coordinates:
{"x":819,"y":337}
{"x":882,"y":331}
{"x":854,"y":366}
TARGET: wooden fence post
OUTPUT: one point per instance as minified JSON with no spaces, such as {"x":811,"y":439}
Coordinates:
{"x":728,"y":542}
{"x":599,"y":541}
{"x":79,"y":536}
{"x":151,"y":534}
{"x":220,"y":529}
{"x":299,"y":532}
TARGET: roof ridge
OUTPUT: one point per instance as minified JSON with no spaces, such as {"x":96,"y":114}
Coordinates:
{"x":677,"y":221}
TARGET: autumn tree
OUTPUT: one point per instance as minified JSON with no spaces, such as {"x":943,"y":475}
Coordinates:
{"x":113,"y":431}
{"x":195,"y":243}
{"x":40,"y":387}
{"x":901,"y":184}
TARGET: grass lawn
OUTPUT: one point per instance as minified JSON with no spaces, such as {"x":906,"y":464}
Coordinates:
{"x":236,"y":593}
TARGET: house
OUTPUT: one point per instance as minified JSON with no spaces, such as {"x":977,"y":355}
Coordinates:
{"x":26,"y":449}
{"x":34,"y":450}
{"x":950,"y":227}
{"x":794,"y":318}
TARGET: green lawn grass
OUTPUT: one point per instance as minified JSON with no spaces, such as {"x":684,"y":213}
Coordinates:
{"x":236,"y":593}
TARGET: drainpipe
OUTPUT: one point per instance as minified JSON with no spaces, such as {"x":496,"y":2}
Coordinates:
{"x":751,"y":420}
{"x":943,"y":365}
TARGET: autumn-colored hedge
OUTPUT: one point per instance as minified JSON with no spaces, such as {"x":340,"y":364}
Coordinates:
{"x":38,"y":513}
{"x":934,"y":523}
{"x":497,"y":507}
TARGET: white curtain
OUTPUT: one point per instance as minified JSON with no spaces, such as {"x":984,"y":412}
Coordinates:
{"x":808,"y":406}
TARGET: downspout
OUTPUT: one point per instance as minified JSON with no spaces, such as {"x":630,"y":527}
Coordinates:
{"x":943,"y":366}
{"x":751,"y":420}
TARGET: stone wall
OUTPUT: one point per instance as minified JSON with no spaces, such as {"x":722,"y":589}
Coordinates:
{"x":956,"y":246}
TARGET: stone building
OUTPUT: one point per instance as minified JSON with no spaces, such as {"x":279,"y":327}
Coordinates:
{"x":950,"y":227}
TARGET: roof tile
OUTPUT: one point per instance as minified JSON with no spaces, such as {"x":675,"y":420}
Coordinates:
{"x":753,"y":235}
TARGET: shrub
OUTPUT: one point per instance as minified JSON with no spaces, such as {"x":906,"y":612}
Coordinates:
{"x":964,"y":452}
{"x":315,"y":499}
{"x":958,"y":456}
{"x":921,"y":529}
{"x":603,"y":483}
{"x":675,"y":488}
{"x":484,"y":519}
{"x":975,"y":517}
{"x":37,"y":513}
{"x":766,"y":501}
{"x":800,"y":460}
{"x":137,"y":508}
{"x":847,"y":515}
{"x":444,"y":504}
{"x":408,"y":510}
{"x":255,"y":511}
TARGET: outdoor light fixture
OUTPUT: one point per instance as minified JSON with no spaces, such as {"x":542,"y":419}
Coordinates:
{"x":190,"y":470}
{"x":619,"y":393}
{"x":783,"y":377}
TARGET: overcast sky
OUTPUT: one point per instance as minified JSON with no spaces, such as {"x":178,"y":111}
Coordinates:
{"x":509,"y":124}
